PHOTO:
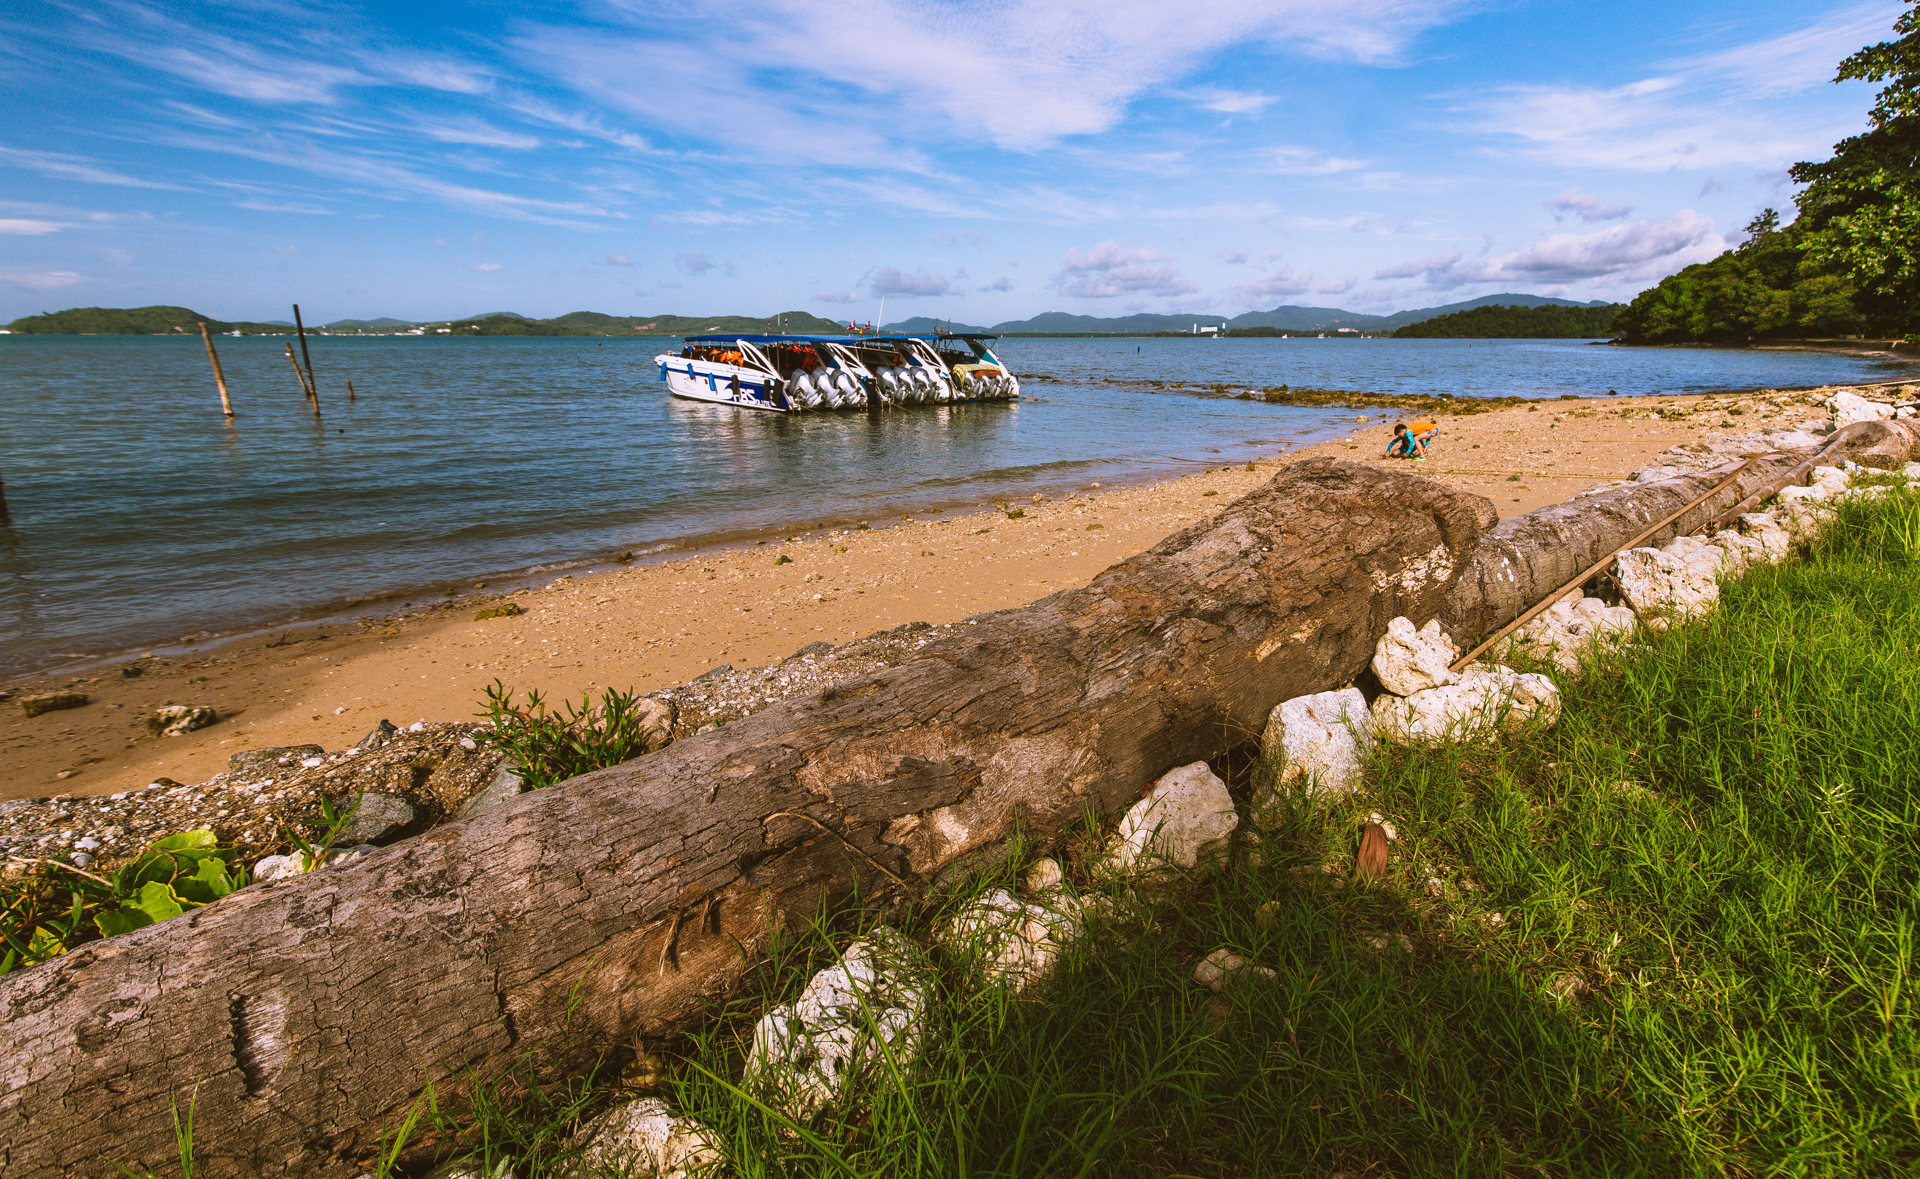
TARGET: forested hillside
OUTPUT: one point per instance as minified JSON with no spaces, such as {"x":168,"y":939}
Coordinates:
{"x":129,"y":321}
{"x":1504,"y":322}
{"x":1848,"y":265}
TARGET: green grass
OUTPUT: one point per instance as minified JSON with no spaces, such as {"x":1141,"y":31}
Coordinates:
{"x":1718,"y":839}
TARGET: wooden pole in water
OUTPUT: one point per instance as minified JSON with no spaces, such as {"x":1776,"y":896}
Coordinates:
{"x":349,"y":390}
{"x":219,"y":378}
{"x":306,"y":386}
{"x":313,"y":390}
{"x":3,"y":500}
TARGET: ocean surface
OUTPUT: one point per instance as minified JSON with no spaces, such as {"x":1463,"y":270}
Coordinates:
{"x":141,"y":518}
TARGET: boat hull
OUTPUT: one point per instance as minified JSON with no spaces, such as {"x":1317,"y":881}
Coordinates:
{"x":719,"y":384}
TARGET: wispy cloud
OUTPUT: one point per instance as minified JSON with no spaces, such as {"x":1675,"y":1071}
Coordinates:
{"x":1575,"y":203}
{"x":891,"y":281}
{"x":1641,"y":250}
{"x":24,"y":227}
{"x":40,"y":280}
{"x":1708,"y":111}
{"x":1109,"y":269}
{"x":66,"y":167}
{"x":693,"y":261}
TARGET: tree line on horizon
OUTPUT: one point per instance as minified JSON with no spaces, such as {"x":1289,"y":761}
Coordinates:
{"x":1506,"y":322}
{"x":1848,"y":264}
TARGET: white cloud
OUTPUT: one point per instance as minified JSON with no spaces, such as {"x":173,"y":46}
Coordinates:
{"x":888,"y":280}
{"x":1003,"y":283}
{"x":40,"y":280}
{"x":1234,"y":257}
{"x":1575,"y":203}
{"x":618,"y":260}
{"x":1709,"y":111}
{"x":23,"y":227}
{"x":1230,"y":102}
{"x":1305,"y":161}
{"x":474,"y":131}
{"x":835,"y":297}
{"x":835,"y":81}
{"x":693,"y":262}
{"x":1638,"y":251}
{"x":1433,"y":262}
{"x":485,"y":267}
{"x":1109,"y":269}
{"x":65,"y":167}
{"x":1287,"y":281}
{"x":283,"y":207}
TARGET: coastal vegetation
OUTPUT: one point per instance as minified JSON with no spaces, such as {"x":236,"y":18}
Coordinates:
{"x":1849,"y":264}
{"x":133,"y":321}
{"x":1673,"y":934}
{"x":1503,"y":322}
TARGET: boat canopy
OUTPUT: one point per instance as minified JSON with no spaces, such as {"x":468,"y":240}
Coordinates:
{"x":730,"y":337}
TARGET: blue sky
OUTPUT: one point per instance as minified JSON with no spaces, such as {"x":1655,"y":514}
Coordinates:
{"x":981,"y":162}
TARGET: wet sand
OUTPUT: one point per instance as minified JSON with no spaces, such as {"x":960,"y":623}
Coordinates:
{"x":651,"y":627}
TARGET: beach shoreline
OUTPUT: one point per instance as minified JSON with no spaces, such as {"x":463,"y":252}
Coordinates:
{"x":648,"y":626}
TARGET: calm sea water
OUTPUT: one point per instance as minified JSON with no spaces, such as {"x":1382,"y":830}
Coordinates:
{"x":138,"y":515}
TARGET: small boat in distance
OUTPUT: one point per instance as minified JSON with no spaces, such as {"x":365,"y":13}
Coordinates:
{"x":791,"y":374}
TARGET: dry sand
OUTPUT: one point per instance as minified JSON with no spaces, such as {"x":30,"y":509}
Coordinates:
{"x":654,"y":626}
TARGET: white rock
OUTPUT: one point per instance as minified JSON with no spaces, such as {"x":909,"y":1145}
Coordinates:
{"x":1221,"y":967}
{"x":1662,"y":588}
{"x":1323,"y":739}
{"x":1044,"y":875}
{"x":341,"y":857}
{"x":1484,"y":701}
{"x":1409,"y":660}
{"x":1014,"y":945}
{"x":310,"y":762}
{"x":850,"y":1019}
{"x":472,"y":1169}
{"x":1849,"y":408}
{"x":1567,"y":628}
{"x":644,"y":1138}
{"x":1186,"y":817}
{"x":1910,"y":472}
{"x":177,"y":720}
{"x":279,"y":868}
{"x":1696,"y":554}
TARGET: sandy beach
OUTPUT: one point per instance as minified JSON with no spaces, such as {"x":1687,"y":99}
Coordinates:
{"x":649,"y":627}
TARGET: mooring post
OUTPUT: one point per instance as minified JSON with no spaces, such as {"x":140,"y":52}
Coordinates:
{"x":313,"y":390}
{"x":219,"y":378}
{"x":3,"y":499}
{"x":306,"y":386}
{"x":349,"y":390}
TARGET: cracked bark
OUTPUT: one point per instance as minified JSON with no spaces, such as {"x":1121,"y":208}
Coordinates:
{"x":303,"y":1017}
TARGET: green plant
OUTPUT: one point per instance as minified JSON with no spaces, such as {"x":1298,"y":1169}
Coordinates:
{"x":551,"y":746}
{"x":182,"y":1142}
{"x":329,"y":825}
{"x":49,"y":909}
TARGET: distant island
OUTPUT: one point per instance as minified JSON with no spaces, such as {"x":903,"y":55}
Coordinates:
{"x":1516,"y":323}
{"x":1280,"y":321}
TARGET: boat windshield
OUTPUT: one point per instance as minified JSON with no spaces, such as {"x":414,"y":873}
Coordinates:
{"x":962,"y":350}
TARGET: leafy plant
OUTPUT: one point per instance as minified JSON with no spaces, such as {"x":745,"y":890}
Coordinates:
{"x":331,"y":823}
{"x":552,"y":746}
{"x":49,"y":910}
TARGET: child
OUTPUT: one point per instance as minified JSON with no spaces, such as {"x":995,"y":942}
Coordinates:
{"x":1411,"y":441}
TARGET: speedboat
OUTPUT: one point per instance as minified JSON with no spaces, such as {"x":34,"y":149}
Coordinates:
{"x":790,"y":374}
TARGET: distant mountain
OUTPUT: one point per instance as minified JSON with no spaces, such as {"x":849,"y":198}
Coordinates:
{"x":1061,"y":323}
{"x":1505,"y":322}
{"x":364,"y":324}
{"x":920,"y":325}
{"x":496,"y":315}
{"x":129,"y":321}
{"x":1287,"y":318}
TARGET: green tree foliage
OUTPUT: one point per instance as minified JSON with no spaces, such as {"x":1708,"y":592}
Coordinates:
{"x":1502,"y":322}
{"x":1850,"y":263}
{"x":129,"y":321}
{"x":1768,"y":287}
{"x":1861,"y":208}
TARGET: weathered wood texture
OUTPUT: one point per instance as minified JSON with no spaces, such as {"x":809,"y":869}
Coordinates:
{"x":306,"y":1013}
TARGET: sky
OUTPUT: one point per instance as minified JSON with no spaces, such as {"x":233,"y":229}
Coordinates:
{"x":862,"y":159}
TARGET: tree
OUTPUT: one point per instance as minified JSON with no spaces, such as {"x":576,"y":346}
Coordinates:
{"x":1861,"y":209}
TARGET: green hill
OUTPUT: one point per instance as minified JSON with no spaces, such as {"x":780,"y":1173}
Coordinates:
{"x":1507,"y":322}
{"x":129,"y":321}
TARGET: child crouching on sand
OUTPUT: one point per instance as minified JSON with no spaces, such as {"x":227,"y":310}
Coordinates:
{"x":1412,"y":441}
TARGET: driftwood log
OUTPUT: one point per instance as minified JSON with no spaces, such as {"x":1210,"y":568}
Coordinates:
{"x":302,"y":1018}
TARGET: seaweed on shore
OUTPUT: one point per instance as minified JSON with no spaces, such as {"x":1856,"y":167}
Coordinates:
{"x":1359,"y":399}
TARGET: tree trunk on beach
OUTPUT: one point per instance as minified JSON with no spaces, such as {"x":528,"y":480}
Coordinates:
{"x":303,"y":1017}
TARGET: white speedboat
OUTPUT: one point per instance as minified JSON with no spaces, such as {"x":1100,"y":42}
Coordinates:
{"x":789,"y":374}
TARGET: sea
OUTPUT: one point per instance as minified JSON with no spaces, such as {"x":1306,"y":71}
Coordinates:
{"x":141,"y":518}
